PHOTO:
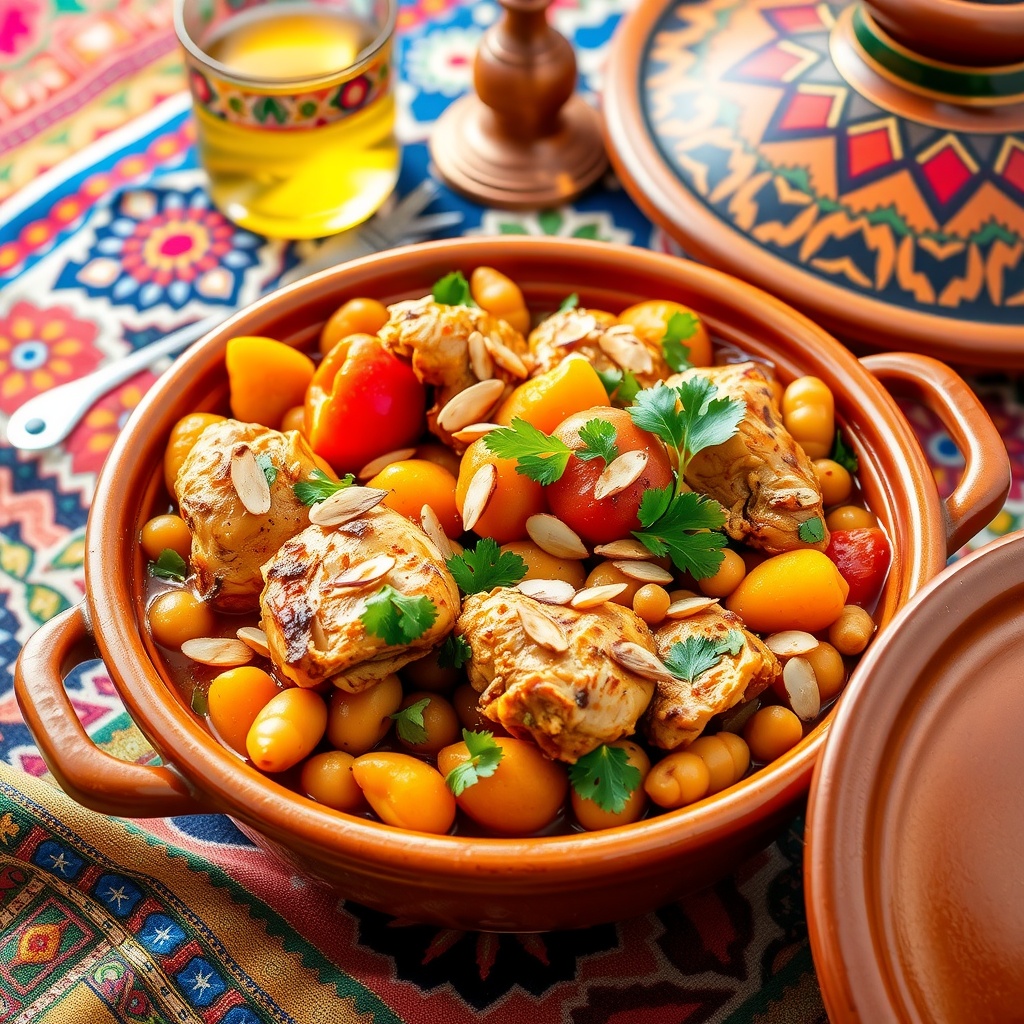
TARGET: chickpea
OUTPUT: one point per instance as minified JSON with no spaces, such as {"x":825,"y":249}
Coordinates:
{"x":405,"y":792}
{"x":737,"y":747}
{"x":357,"y":316}
{"x":834,"y":480}
{"x":441,"y":725}
{"x":184,"y":435}
{"x":542,"y":566}
{"x":604,"y":573}
{"x":651,"y":602}
{"x":327,"y":778}
{"x":234,"y":700}
{"x":413,"y":483}
{"x":850,"y":517}
{"x":853,"y":629}
{"x":427,"y":674}
{"x":357,"y":722}
{"x":162,"y":532}
{"x":294,"y":419}
{"x":729,"y":576}
{"x":772,"y":731}
{"x":593,"y":818}
{"x":717,"y":756}
{"x":178,"y":615}
{"x":808,"y":412}
{"x":677,"y":780}
{"x":287,"y":729}
{"x":829,"y":670}
{"x":500,"y":295}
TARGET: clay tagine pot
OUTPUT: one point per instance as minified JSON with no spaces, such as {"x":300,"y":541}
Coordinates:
{"x":864,"y":161}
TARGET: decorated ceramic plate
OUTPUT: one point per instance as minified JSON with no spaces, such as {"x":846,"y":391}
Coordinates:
{"x":803,"y":147}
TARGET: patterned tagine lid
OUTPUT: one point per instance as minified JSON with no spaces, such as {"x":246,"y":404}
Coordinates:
{"x":865,"y":162}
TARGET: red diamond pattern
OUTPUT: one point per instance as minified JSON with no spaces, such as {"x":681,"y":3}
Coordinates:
{"x":946,"y":172}
{"x":1013,"y":172}
{"x":807,"y":110}
{"x":801,"y":18}
{"x":771,"y":64}
{"x":868,"y":151}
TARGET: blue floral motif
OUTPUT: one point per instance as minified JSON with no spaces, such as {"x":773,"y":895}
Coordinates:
{"x":161,"y":934}
{"x":116,"y":893}
{"x":199,"y":981}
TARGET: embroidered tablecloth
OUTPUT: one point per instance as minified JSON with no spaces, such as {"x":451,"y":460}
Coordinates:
{"x":107,"y":242}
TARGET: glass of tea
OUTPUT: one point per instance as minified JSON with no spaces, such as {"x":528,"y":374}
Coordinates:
{"x":294,"y":109}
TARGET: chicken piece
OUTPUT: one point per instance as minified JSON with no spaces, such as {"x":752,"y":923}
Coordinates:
{"x":597,"y":335}
{"x":762,"y":477}
{"x":681,"y":710}
{"x":313,"y":619}
{"x":435,"y":338}
{"x":567,"y":703}
{"x":230,"y":544}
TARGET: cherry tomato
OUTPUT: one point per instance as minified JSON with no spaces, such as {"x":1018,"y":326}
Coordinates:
{"x":571,"y":497}
{"x":362,"y":403}
{"x":862,"y":557}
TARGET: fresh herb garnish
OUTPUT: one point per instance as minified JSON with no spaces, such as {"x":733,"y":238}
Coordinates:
{"x":200,"y":702}
{"x":812,"y":531}
{"x":409,"y":722}
{"x":480,"y":569}
{"x":268,"y":467}
{"x":538,"y":456}
{"x":598,"y":437}
{"x":571,"y":301}
{"x":319,"y":487}
{"x":680,"y":328}
{"x":453,"y":290}
{"x":668,"y":520}
{"x":843,"y":455}
{"x":169,"y":565}
{"x":398,"y":619}
{"x":606,"y":777}
{"x":621,"y":385}
{"x":484,"y":757}
{"x":696,"y":654}
{"x":455,"y":652}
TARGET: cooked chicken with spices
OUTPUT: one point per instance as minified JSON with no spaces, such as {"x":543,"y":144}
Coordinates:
{"x":607,"y":345}
{"x":762,"y":477}
{"x":229,"y":544}
{"x":568,"y":702}
{"x":681,"y":710}
{"x":313,"y":600}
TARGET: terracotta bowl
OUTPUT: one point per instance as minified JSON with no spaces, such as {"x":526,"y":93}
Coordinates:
{"x":495,"y":884}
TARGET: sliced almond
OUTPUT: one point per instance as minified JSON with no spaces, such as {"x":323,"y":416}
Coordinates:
{"x":626,"y":350}
{"x":801,"y":687}
{"x":345,"y":505}
{"x":542,"y":629}
{"x":221,"y":652}
{"x":254,"y":637}
{"x":619,"y":474}
{"x":631,"y":549}
{"x":548,"y":591}
{"x":645,"y":572}
{"x":435,"y":531}
{"x":467,"y":435}
{"x":361,"y":573}
{"x":479,"y":358}
{"x":688,"y":606}
{"x":371,"y":469}
{"x":791,"y":643}
{"x":317,"y":634}
{"x":552,"y":535}
{"x":471,"y":405}
{"x":592,"y":597}
{"x":575,"y":329}
{"x":249,"y":481}
{"x":478,"y":494}
{"x":505,"y":357}
{"x":640,"y":661}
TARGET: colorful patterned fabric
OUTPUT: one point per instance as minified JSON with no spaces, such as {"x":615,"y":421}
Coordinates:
{"x":184,"y":919}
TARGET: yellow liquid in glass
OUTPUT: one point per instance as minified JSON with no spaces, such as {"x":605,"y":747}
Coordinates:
{"x":306,"y":182}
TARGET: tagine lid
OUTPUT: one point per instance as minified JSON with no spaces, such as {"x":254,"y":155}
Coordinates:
{"x":804,"y":147}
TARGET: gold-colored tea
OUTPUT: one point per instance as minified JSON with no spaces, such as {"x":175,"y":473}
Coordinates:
{"x":306,"y":149}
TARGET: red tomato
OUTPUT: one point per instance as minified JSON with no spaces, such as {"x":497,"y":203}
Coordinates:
{"x":571,"y":497}
{"x":362,"y":403}
{"x":862,"y":558}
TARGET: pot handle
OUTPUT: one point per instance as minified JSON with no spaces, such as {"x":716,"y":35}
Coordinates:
{"x":91,"y":776}
{"x":985,"y":482}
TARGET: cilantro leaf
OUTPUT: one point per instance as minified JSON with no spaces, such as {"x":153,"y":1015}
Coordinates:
{"x":398,"y":619}
{"x":689,"y":658}
{"x":812,"y":531}
{"x":620,"y":385}
{"x":654,"y":410}
{"x":668,"y":519}
{"x":843,"y":455}
{"x":484,"y":757}
{"x":598,"y":437}
{"x":453,"y":290}
{"x":319,"y":487}
{"x":485,"y":567}
{"x":409,"y":722}
{"x":606,"y":777}
{"x":169,"y":565}
{"x":538,"y":456}
{"x":679,"y":328}
{"x":269,"y":469}
{"x":455,"y":652}
{"x":571,"y":301}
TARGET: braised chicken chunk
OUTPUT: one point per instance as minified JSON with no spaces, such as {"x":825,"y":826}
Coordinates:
{"x":568,"y":702}
{"x":681,"y":710}
{"x":229,"y":544}
{"x":317,"y":588}
{"x":762,"y":477}
{"x":607,"y":345}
